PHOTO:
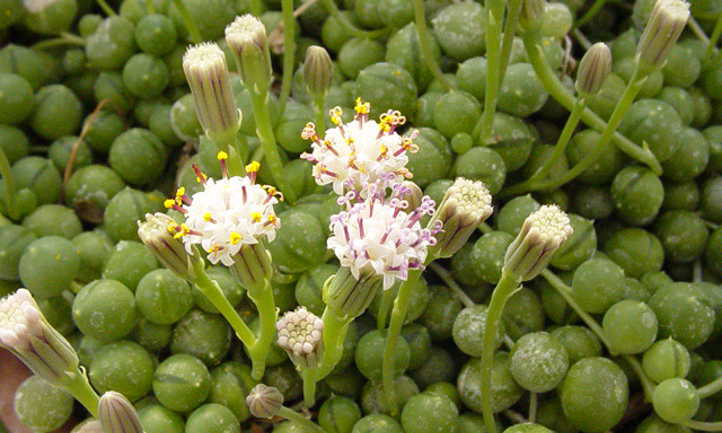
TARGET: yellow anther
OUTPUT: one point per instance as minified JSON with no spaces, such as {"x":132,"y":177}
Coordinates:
{"x":362,"y":107}
{"x":384,"y":149}
{"x":272,"y":218}
{"x":235,"y":238}
{"x":184,"y":230}
{"x":207,"y":216}
{"x":256,"y":217}
{"x":180,"y":193}
{"x":336,"y":114}
{"x":222,"y":156}
{"x":216,"y":248}
{"x":169,"y":203}
{"x":309,"y":132}
{"x":253,"y":167}
{"x":172,"y":227}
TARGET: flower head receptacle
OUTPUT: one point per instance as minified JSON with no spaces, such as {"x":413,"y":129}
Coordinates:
{"x":159,"y":232}
{"x":300,"y":334}
{"x":246,"y":37}
{"x":264,"y":401}
{"x":542,"y":233}
{"x":117,"y":414}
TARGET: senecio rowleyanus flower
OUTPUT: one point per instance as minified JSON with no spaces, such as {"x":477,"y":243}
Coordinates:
{"x":117,"y":414}
{"x":228,"y":214}
{"x":300,"y":334}
{"x":380,"y":236}
{"x":164,"y":245}
{"x":362,"y":152}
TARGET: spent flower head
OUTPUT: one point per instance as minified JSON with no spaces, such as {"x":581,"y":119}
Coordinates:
{"x":264,"y":401}
{"x":666,"y":23}
{"x":300,"y":334}
{"x":381,"y":235}
{"x":359,"y":153}
{"x":207,"y":74}
{"x":117,"y":414}
{"x":542,"y":233}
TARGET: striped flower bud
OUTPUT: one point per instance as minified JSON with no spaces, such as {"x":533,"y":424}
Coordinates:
{"x":300,"y":334}
{"x":541,"y":235}
{"x":531,"y":16}
{"x":157,"y":232}
{"x":117,"y":414}
{"x":594,"y":68}
{"x":348,"y":295}
{"x":317,"y":70}
{"x":207,"y":74}
{"x":665,"y":24}
{"x":264,"y":401}
{"x":247,"y":39}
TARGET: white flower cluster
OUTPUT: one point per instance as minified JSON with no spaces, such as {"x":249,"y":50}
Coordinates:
{"x":359,"y":153}
{"x":19,"y":319}
{"x":300,"y":332}
{"x":228,"y":214}
{"x":379,"y":235}
{"x":548,"y":225}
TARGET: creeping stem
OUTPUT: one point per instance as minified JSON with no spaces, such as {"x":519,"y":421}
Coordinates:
{"x":591,"y":13}
{"x":494,"y":13}
{"x":9,"y":184}
{"x":716,"y":32}
{"x":296,"y":417}
{"x":289,"y":52}
{"x":188,"y":22}
{"x":532,"y":44}
{"x":427,"y":54}
{"x":267,"y":315}
{"x":510,"y":25}
{"x":711,"y":388}
{"x":332,"y":9}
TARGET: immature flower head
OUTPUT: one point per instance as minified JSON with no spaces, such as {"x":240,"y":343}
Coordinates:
{"x":594,"y":68}
{"x":300,"y":334}
{"x":531,"y":16}
{"x":379,"y":236}
{"x":354,"y":155}
{"x":317,"y":70}
{"x":466,"y":204}
{"x":25,"y":332}
{"x":155,"y":232}
{"x":205,"y":69}
{"x":117,"y":414}
{"x":542,"y":233}
{"x":247,"y":39}
{"x":264,"y":401}
{"x":666,"y":22}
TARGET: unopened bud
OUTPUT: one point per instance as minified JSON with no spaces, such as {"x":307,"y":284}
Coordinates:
{"x":247,"y":39}
{"x":252,"y":267}
{"x":411,"y":192}
{"x":155,"y":232}
{"x":207,"y":74}
{"x":350,"y":297}
{"x":117,"y":414}
{"x":541,"y":235}
{"x":317,"y":70}
{"x":531,"y":16}
{"x":594,"y":68}
{"x":666,"y":23}
{"x":300,"y":334}
{"x":465,"y":205}
{"x":264,"y":401}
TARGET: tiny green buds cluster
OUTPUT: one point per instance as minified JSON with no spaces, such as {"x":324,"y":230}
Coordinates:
{"x":207,"y":74}
{"x":264,"y":401}
{"x":117,"y":414}
{"x":466,"y":204}
{"x":349,"y":296}
{"x":300,"y":334}
{"x":666,"y":22}
{"x":594,"y":68}
{"x":541,"y":235}
{"x":531,"y":16}
{"x":317,"y":70}
{"x":157,"y":232}
{"x":247,"y":39}
{"x":25,"y":332}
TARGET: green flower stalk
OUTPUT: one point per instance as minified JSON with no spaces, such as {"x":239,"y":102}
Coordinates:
{"x":117,"y":414}
{"x":541,"y":235}
{"x":207,"y":74}
{"x":427,"y":55}
{"x":29,"y":336}
{"x":267,"y":402}
{"x":318,"y":73}
{"x":289,"y":52}
{"x":247,"y":39}
{"x":9,"y":186}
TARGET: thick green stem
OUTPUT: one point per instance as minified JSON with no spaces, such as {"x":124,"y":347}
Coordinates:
{"x":296,"y":417}
{"x":559,"y":149}
{"x":383,"y":314}
{"x":106,"y":8}
{"x":510,"y":25}
{"x":591,"y":13}
{"x":267,"y":316}
{"x":332,"y":9}
{"x":256,"y":7}
{"x":703,"y":426}
{"x":533,"y":403}
{"x":237,"y":155}
{"x":289,"y":52}
{"x":264,"y":130}
{"x":591,"y":158}
{"x":697,"y":30}
{"x":507,"y":285}
{"x":716,"y":32}
{"x":319,"y":102}
{"x":188,"y":22}
{"x":213,"y":292}
{"x":647,"y":384}
{"x":9,"y":183}
{"x":427,"y":55}
{"x":309,"y":388}
{"x":494,"y":13}
{"x":398,"y":315}
{"x":556,"y":89}
{"x":79,"y":386}
{"x":711,"y":388}
{"x":64,"y":39}
{"x":451,"y":283}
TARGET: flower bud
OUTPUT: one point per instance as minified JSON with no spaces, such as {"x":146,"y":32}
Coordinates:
{"x":466,"y":204}
{"x":25,"y":332}
{"x":410,"y":192}
{"x":317,"y":70}
{"x":350,"y":297}
{"x":156,"y":233}
{"x":665,"y":24}
{"x":541,"y":235}
{"x":594,"y":68}
{"x":207,"y":74}
{"x":300,"y":334}
{"x":247,"y":39}
{"x":264,"y":401}
{"x":531,"y":16}
{"x":117,"y":414}
{"x":252,"y":267}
